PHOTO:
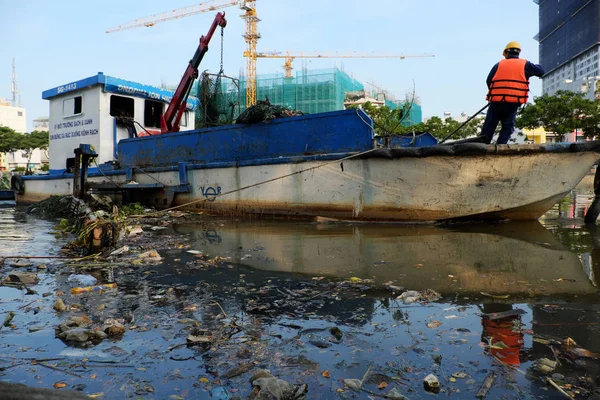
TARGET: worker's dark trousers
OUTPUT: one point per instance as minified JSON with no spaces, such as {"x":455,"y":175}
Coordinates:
{"x":504,"y":113}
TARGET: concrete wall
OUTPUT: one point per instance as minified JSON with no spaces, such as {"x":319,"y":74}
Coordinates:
{"x":13,"y":117}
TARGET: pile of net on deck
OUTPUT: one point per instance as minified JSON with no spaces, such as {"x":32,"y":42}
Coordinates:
{"x":217,"y":107}
{"x":264,"y":111}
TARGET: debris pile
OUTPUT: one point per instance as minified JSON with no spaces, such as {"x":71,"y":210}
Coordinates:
{"x":264,"y":111}
{"x":80,"y":329}
{"x":268,"y":387}
{"x":411,"y":296}
{"x":96,"y":224}
{"x":57,"y":207}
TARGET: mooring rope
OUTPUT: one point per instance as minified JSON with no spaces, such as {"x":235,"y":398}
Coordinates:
{"x":257,"y":184}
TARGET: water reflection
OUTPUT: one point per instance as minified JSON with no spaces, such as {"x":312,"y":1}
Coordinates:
{"x":552,"y":294}
{"x":518,"y":258}
{"x":21,"y":234}
{"x":547,"y":271}
{"x":576,"y":203}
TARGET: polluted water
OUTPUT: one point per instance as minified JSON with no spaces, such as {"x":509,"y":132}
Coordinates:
{"x":191,"y":307}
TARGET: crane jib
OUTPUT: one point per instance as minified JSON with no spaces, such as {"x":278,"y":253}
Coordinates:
{"x":169,"y":121}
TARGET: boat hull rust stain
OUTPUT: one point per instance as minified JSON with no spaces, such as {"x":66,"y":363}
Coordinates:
{"x":405,"y":189}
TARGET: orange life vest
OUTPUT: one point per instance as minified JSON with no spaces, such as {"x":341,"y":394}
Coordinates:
{"x":509,"y":84}
{"x":501,"y":330}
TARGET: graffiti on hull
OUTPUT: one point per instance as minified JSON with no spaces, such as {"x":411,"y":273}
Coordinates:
{"x":210,"y":193}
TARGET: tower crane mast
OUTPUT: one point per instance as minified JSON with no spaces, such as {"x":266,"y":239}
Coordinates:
{"x":251,"y":35}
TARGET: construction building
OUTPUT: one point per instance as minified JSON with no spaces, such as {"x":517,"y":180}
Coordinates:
{"x":569,"y":39}
{"x":309,"y":91}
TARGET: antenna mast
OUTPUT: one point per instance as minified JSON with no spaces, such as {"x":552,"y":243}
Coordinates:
{"x":14,"y":87}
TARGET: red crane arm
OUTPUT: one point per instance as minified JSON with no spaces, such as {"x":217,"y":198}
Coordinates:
{"x":169,"y":121}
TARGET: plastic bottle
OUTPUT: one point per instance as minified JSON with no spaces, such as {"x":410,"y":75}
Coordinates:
{"x":79,"y":290}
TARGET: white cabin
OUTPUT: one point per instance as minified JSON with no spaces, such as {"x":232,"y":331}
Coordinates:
{"x":100,"y":111}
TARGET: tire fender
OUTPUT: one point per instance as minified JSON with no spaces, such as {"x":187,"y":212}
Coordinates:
{"x":17,"y":184}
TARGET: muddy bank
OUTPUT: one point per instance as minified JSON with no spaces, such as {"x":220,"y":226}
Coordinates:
{"x":193,"y":308}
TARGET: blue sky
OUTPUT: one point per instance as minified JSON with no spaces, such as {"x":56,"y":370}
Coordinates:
{"x":56,"y":42}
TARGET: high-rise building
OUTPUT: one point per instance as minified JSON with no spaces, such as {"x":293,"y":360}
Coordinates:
{"x":569,"y":39}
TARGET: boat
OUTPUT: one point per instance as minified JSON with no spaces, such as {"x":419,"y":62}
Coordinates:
{"x":328,"y":165}
{"x":7,"y":198}
{"x":520,"y":259}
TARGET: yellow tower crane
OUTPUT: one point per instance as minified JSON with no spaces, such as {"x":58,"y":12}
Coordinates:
{"x":251,"y":35}
{"x":290,"y":56}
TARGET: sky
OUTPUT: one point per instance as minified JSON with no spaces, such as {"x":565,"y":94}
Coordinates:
{"x":60,"y":41}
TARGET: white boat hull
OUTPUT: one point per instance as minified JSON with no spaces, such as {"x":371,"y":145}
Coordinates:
{"x":516,"y":186}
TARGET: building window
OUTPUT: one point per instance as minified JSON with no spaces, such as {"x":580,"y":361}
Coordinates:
{"x":72,"y":107}
{"x":19,"y":113}
{"x":152,"y":112}
{"x":121,"y":106}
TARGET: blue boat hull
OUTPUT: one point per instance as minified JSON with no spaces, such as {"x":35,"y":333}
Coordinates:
{"x":7,"y":195}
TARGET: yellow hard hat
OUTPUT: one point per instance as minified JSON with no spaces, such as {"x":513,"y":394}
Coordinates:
{"x":512,"y":45}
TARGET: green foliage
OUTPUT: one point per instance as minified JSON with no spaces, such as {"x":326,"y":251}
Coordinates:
{"x":45,"y":167}
{"x":590,"y":124}
{"x":9,"y":140}
{"x":64,"y":226}
{"x":4,"y":182}
{"x":131,"y":209}
{"x":34,"y":140}
{"x":442,"y":128}
{"x":19,"y":169}
{"x":385,"y":120}
{"x":389,"y":122}
{"x":562,"y":113}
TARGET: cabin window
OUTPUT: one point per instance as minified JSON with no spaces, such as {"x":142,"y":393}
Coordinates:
{"x":72,"y":106}
{"x":152,"y":112}
{"x":184,"y":119}
{"x":121,"y":106}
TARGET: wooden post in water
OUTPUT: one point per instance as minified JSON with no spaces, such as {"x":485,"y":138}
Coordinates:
{"x":592,"y":213}
{"x":83,"y":175}
{"x":77,"y":173}
{"x":83,"y":154}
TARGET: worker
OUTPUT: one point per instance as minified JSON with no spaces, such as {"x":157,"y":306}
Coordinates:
{"x":508,"y":88}
{"x":502,"y":333}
